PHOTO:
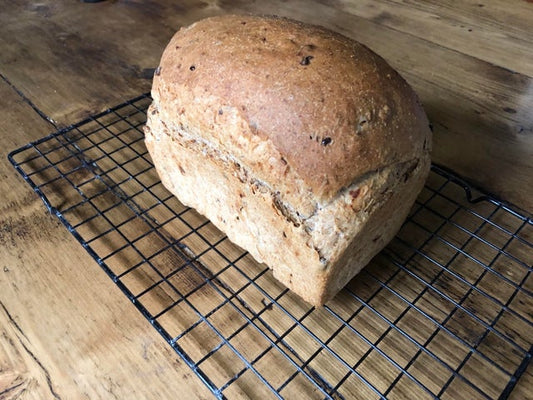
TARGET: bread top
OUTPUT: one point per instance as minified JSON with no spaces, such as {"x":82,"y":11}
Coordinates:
{"x":332,"y":108}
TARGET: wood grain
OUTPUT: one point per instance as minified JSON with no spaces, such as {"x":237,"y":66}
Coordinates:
{"x":66,"y":331}
{"x":83,"y":57}
{"x":491,"y":32}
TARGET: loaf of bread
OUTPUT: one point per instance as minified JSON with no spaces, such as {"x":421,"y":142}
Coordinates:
{"x":306,"y":148}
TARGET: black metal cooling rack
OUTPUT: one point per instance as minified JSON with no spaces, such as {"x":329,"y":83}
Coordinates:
{"x":443,"y":312}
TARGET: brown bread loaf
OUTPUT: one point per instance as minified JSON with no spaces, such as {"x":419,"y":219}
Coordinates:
{"x":303,"y":146}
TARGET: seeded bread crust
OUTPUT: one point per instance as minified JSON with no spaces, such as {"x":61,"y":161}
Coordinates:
{"x":302,"y":145}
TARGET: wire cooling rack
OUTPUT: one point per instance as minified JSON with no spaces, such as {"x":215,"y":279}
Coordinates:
{"x":443,"y":312}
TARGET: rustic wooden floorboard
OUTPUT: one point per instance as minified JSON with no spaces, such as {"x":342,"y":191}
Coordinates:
{"x":66,"y":331}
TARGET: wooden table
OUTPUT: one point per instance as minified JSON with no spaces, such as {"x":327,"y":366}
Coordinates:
{"x":65,"y":330}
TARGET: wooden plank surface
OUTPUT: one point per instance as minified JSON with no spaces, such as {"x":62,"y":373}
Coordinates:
{"x":471,"y":62}
{"x":66,"y":331}
{"x":19,"y":372}
{"x":493,"y":31}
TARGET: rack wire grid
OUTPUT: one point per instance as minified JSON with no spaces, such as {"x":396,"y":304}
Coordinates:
{"x":443,"y":312}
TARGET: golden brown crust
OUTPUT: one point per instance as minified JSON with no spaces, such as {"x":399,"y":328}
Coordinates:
{"x":302,"y":145}
{"x":332,"y":109}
